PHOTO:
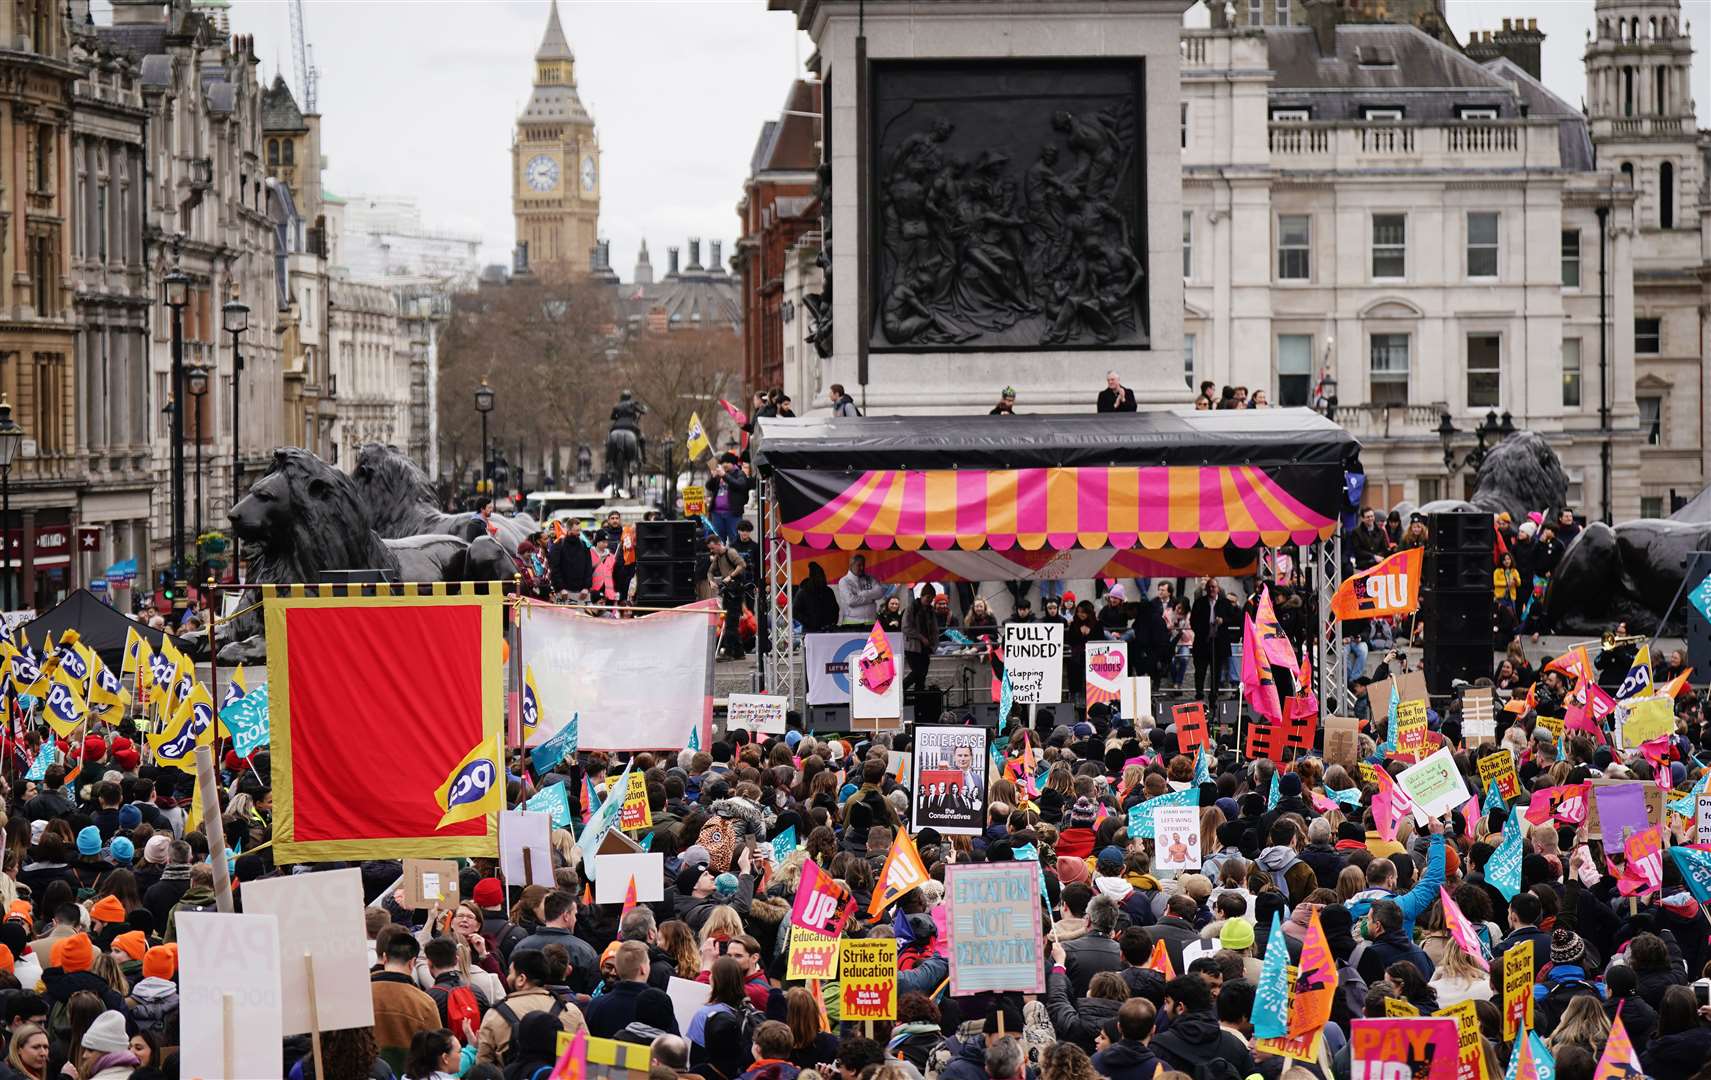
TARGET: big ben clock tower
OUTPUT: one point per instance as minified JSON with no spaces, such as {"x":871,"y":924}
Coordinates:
{"x":555,"y":165}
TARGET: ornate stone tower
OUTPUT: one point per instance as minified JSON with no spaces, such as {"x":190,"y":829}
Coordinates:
{"x":555,"y":166}
{"x":1639,"y":97}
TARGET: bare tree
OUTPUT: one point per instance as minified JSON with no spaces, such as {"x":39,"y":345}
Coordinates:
{"x":679,"y":373}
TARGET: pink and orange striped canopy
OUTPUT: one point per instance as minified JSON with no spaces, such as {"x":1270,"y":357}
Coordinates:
{"x":1151,"y":507}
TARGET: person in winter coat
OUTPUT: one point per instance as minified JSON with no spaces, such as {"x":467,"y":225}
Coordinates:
{"x":1125,"y":881}
{"x":1621,"y":991}
{"x":153,"y":1000}
{"x":1327,"y":862}
{"x":1649,"y":957}
{"x":1564,"y":981}
{"x":1294,"y":878}
{"x":71,"y":960}
{"x":1682,"y":1043}
{"x":1390,"y":944}
{"x":1177,"y":928}
{"x":771,"y":1050}
{"x":104,"y":1053}
{"x":816,"y":605}
{"x":1195,"y":1036}
{"x":570,"y":564}
{"x":631,"y":999}
{"x":1289,"y":801}
{"x":859,"y":595}
{"x":1078,"y":1021}
{"x":1524,"y":913}
{"x":1096,"y":950}
{"x":1381,"y":884}
{"x":526,"y":979}
{"x":1130,"y":1058}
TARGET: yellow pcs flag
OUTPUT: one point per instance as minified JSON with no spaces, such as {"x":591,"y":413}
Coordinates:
{"x":697,"y":443}
{"x":135,"y":649}
{"x":192,"y":725}
{"x":106,"y":690}
{"x":475,"y":787}
{"x":64,"y":707}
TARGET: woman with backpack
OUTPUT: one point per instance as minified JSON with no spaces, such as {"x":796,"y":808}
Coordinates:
{"x":715,"y":1033}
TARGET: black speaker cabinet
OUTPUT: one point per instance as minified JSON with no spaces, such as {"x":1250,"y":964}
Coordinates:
{"x":665,"y":541}
{"x":665,"y":583}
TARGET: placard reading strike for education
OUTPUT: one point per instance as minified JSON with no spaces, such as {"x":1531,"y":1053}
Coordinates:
{"x":1499,"y":767}
{"x":756,"y":712}
{"x":867,"y":979}
{"x":811,"y":956}
{"x":995,"y":936}
{"x":1033,"y":658}
{"x":948,"y":785}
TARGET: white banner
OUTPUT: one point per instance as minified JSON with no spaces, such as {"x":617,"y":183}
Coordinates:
{"x":830,"y":658}
{"x":636,"y":684}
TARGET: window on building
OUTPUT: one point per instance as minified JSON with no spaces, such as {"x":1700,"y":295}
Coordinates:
{"x":1389,"y":370}
{"x":1294,"y":368}
{"x":101,"y":222}
{"x":1431,"y":489}
{"x":1187,"y":244}
{"x":1651,"y":418}
{"x":1484,"y":370}
{"x":44,"y":158}
{"x":1628,"y":173}
{"x":1651,"y":506}
{"x":1256,"y":12}
{"x":1627,"y":91}
{"x":1188,"y":359}
{"x":1185,"y":125}
{"x":289,"y":151}
{"x":49,"y":427}
{"x":1476,"y":112}
{"x":1660,"y":100}
{"x":1292,"y":116}
{"x":1571,"y":258}
{"x":273,"y":151}
{"x":1571,"y":373}
{"x":1666,"y":195}
{"x":1648,"y":336}
{"x":1294,"y":246}
{"x":1389,"y":245}
{"x":1381,"y":112}
{"x":1481,"y":244}
{"x":1283,"y":12}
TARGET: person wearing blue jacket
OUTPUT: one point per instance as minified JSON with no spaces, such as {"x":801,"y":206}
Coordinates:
{"x":1381,"y":884}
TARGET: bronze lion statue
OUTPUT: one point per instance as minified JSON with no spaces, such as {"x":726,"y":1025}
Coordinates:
{"x":305,"y":518}
{"x":401,"y":502}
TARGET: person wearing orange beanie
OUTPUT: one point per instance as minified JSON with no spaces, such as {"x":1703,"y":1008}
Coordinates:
{"x":71,"y":959}
{"x":154,"y":998}
{"x":133,"y":945}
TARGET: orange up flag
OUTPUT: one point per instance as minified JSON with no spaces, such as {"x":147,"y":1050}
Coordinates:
{"x":1390,"y":588}
{"x":629,"y":899}
{"x":1160,"y":961}
{"x":1619,"y":1059}
{"x":902,"y":873}
{"x":1315,"y":986}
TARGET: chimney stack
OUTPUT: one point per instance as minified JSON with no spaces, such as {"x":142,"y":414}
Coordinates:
{"x":671,"y":262}
{"x":716,"y":263}
{"x":694,"y":254}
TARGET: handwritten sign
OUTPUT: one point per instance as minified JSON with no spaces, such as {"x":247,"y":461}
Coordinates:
{"x":1647,"y":719}
{"x":756,"y":712}
{"x":1342,"y":740}
{"x":867,"y":980}
{"x":1435,"y":784}
{"x":995,"y":937}
{"x":1033,"y":658}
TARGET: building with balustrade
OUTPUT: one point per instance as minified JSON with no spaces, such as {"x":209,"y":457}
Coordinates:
{"x":1431,"y":222}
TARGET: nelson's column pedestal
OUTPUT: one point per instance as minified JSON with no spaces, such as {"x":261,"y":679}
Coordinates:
{"x":1002,"y":200}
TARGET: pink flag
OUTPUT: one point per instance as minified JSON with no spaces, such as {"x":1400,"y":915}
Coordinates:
{"x":1320,"y":803}
{"x":877,"y":664}
{"x":1470,"y":816}
{"x":1277,"y":648}
{"x":736,"y":414}
{"x":1643,"y":871}
{"x":1460,"y":929}
{"x":1257,"y":682}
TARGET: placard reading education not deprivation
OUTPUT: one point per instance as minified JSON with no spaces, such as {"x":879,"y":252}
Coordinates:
{"x":995,"y":935}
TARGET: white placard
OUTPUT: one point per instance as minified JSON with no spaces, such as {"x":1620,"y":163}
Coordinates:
{"x":1478,"y":714}
{"x":520,"y":831}
{"x":687,"y":997}
{"x":1702,"y":818}
{"x":1176,"y":837}
{"x":756,"y":712}
{"x":636,"y":684}
{"x":1033,"y":658}
{"x":1136,"y":699}
{"x":319,"y":914}
{"x":612,"y":879}
{"x":229,"y":965}
{"x":1435,"y":785}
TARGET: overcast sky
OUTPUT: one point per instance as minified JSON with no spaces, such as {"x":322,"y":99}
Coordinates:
{"x":420,"y":97}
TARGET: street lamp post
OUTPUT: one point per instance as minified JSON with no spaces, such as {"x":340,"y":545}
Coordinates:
{"x":1491,"y":428}
{"x":235,"y":319}
{"x":484,"y":405}
{"x":177,"y":288}
{"x":11,"y":438}
{"x":196,"y":381}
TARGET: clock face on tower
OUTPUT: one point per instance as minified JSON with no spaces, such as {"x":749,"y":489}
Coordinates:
{"x":542,"y":172}
{"x":588,"y":175}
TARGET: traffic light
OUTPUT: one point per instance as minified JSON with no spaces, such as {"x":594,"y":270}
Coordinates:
{"x":166,"y":587}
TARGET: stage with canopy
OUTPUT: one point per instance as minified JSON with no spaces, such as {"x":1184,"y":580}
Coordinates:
{"x":995,"y":498}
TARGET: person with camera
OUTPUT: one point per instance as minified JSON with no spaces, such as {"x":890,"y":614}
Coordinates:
{"x":725,"y":570}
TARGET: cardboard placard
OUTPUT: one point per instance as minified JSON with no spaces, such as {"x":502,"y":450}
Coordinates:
{"x":1033,"y":658}
{"x":756,"y":712}
{"x":1517,"y":989}
{"x":1656,"y":801}
{"x":867,"y":979}
{"x":635,"y":814}
{"x":1136,"y":699}
{"x":1410,"y":686}
{"x":612,"y":880}
{"x":687,"y":997}
{"x":320,"y":914}
{"x":230,"y":997}
{"x":1478,"y":716}
{"x":1417,"y":1047}
{"x":995,"y":936}
{"x":1190,"y":721}
{"x":1342,"y":741}
{"x":428,"y":882}
{"x":525,"y":848}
